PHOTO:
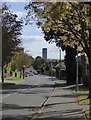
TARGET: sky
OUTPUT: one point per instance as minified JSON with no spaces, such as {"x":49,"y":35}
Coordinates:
{"x":32,"y":37}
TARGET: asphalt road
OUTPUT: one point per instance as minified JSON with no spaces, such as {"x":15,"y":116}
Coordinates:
{"x":21,"y":101}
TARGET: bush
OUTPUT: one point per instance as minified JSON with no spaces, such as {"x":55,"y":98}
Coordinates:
{"x":52,"y":72}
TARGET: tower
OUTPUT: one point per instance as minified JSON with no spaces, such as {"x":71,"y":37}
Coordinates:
{"x":44,"y":53}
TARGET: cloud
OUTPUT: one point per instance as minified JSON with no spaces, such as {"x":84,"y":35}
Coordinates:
{"x":20,"y":14}
{"x":32,"y":38}
{"x":35,"y":44}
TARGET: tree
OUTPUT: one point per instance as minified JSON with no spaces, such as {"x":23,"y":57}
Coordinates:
{"x":11,"y":30}
{"x":49,"y":20}
{"x":70,"y":63}
{"x":24,"y":59}
{"x":67,"y":23}
{"x":39,"y":63}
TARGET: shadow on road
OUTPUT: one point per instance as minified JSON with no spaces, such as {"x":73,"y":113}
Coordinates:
{"x":16,"y":118}
{"x":49,"y":105}
{"x":23,"y":86}
{"x":56,"y":118}
{"x":73,"y":114}
{"x":17,"y":87}
{"x":13,"y":106}
{"x":51,"y":115}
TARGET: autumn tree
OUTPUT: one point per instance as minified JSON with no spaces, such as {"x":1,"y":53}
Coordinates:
{"x":48,"y":19}
{"x":11,"y":30}
{"x":24,"y":59}
{"x":67,"y":23}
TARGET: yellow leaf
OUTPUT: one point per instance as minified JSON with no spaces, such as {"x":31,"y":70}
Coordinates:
{"x":77,"y":27}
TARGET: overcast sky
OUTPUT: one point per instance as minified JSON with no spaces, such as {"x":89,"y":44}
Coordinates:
{"x":32,"y":36}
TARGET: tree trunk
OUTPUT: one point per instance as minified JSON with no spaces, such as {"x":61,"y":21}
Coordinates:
{"x":70,"y":63}
{"x":2,"y":73}
{"x":89,"y":81}
{"x":89,"y":57}
{"x":90,"y":60}
{"x":89,"y":85}
{"x":84,"y":67}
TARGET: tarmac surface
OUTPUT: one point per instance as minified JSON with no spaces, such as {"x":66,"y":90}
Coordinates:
{"x":60,"y":105}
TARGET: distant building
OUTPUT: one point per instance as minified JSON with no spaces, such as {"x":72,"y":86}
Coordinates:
{"x":44,"y":53}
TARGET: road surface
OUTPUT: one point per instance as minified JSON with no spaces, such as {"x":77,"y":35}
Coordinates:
{"x":21,"y":101}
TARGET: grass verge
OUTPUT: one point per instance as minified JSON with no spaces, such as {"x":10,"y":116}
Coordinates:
{"x":81,"y":89}
{"x":6,"y":84}
{"x":82,"y":95}
{"x":86,"y":113}
{"x":82,"y":100}
{"x":16,"y":78}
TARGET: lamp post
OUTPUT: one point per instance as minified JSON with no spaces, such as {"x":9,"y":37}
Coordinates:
{"x":77,"y":72}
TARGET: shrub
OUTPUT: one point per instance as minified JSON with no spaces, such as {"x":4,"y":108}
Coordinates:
{"x":52,"y":72}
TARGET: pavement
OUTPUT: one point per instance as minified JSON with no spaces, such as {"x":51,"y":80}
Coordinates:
{"x":61,"y":105}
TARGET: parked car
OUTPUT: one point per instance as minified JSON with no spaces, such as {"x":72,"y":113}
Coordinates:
{"x":31,"y":73}
{"x":28,"y":73}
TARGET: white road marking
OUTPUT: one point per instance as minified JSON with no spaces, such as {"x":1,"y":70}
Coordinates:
{"x":7,"y":96}
{"x":19,"y":90}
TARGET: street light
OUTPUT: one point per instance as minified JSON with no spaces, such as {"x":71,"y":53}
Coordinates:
{"x":77,"y":71}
